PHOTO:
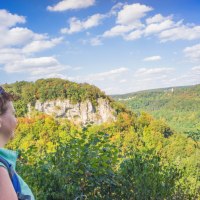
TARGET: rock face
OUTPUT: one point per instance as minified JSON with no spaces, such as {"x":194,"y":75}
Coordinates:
{"x":80,"y":113}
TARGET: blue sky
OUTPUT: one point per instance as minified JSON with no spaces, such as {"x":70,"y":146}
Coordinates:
{"x":120,"y":46}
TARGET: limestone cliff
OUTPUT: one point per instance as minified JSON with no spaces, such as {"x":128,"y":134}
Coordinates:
{"x":80,"y":113}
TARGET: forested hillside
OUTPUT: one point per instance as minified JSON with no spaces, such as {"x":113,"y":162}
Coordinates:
{"x":178,"y":106}
{"x":135,"y":157}
{"x":55,"y":89}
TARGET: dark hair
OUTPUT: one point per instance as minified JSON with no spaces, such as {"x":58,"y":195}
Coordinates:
{"x":4,"y":98}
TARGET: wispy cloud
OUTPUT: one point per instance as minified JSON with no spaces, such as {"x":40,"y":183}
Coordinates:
{"x":96,"y":41}
{"x":111,"y":74}
{"x":152,"y":58}
{"x":153,"y":71}
{"x":196,"y":70}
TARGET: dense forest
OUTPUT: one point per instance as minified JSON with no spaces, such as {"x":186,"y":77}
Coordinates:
{"x":178,"y":106}
{"x":136,"y":157}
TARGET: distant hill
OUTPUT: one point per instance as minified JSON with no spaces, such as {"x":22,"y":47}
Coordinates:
{"x":179,"y":106}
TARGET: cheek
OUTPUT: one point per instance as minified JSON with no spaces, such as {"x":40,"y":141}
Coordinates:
{"x":10,"y":124}
{"x":13,"y":122}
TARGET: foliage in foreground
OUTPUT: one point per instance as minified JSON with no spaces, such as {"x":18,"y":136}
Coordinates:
{"x":132,"y":158}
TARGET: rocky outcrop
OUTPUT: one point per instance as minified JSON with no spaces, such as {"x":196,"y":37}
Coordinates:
{"x":80,"y":113}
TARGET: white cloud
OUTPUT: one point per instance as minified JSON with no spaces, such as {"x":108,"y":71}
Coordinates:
{"x":76,"y":25}
{"x":182,"y":32}
{"x":196,"y":70}
{"x":96,"y":41}
{"x":165,"y":28}
{"x":10,"y":54}
{"x":158,"y":27}
{"x":114,"y":10}
{"x":51,"y":75}
{"x":102,"y":76}
{"x":118,"y":30}
{"x":153,"y":71}
{"x":134,"y":35}
{"x":106,"y":75}
{"x":18,"y":42}
{"x":11,"y":36}
{"x":132,"y":13}
{"x":35,"y":66}
{"x":40,"y":45}
{"x":18,"y":36}
{"x":128,"y":20}
{"x":190,"y":77}
{"x":153,"y":58}
{"x":29,"y":64}
{"x":71,"y":5}
{"x":193,"y":52}
{"x":157,"y":19}
{"x":8,"y":20}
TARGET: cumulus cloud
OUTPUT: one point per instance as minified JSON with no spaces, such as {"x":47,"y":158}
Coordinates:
{"x":12,"y":36}
{"x":8,"y":20}
{"x":157,"y":19}
{"x":182,"y":32}
{"x":128,"y":19}
{"x":10,"y":54}
{"x":71,"y":5}
{"x":35,"y":66}
{"x":193,"y":52}
{"x":130,"y":26}
{"x":119,"y":30}
{"x":18,"y":42}
{"x":133,"y":35}
{"x":152,"y":58}
{"x":76,"y":25}
{"x":18,"y":36}
{"x":40,"y":45}
{"x":158,"y":27}
{"x":132,"y":13}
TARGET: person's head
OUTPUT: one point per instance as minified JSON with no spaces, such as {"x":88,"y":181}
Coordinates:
{"x":8,"y":121}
